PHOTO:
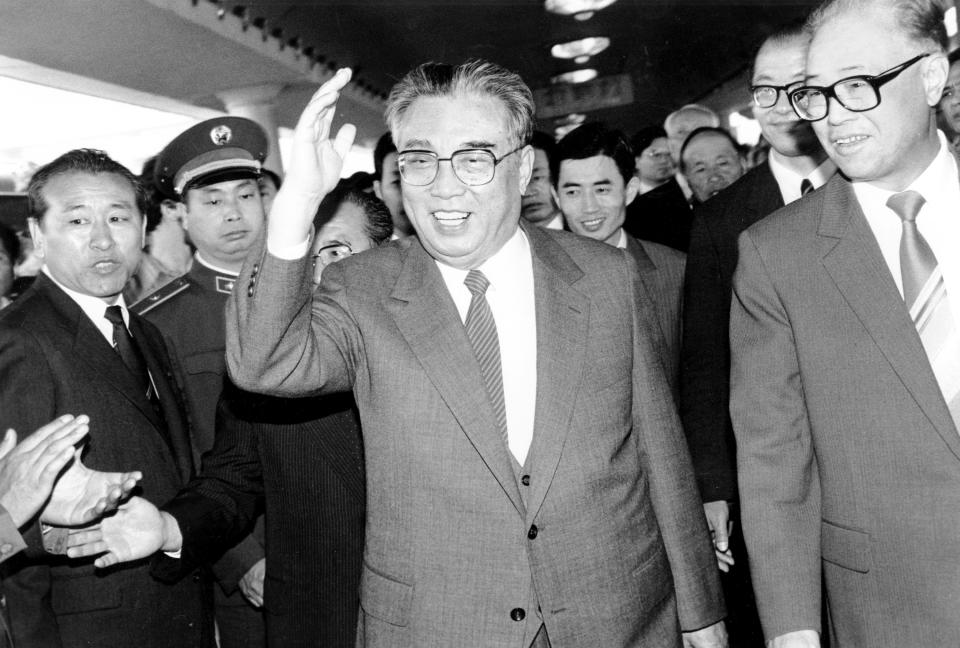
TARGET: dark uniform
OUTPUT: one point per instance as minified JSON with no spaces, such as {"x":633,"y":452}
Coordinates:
{"x":189,"y":312}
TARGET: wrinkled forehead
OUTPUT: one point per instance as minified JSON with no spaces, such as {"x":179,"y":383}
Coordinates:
{"x":849,"y":43}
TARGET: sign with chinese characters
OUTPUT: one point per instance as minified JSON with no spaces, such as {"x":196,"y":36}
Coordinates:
{"x":602,"y":92}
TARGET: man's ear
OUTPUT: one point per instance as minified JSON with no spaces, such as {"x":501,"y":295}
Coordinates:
{"x":934,"y":73}
{"x":177,"y":209}
{"x":36,"y":235}
{"x":526,"y":167}
{"x":632,"y":189}
{"x":376,"y":189}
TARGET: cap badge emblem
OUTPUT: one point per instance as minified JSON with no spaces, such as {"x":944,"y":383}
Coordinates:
{"x":221,"y":135}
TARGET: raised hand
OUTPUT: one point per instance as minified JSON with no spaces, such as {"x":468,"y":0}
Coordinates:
{"x":137,"y":530}
{"x":28,"y":471}
{"x":315,"y":164}
{"x":82,"y":495}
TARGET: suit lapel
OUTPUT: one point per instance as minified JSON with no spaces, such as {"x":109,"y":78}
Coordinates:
{"x":173,"y":429}
{"x":562,"y":333}
{"x":764,"y":198}
{"x":427,"y":318}
{"x":855,"y":263}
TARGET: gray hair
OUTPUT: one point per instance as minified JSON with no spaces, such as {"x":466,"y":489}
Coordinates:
{"x":477,"y":77}
{"x":713,"y":120}
{"x":920,"y":20}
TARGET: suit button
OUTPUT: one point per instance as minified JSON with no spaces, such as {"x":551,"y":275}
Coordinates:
{"x":525,"y":480}
{"x":196,"y":577}
{"x":517,"y":614}
{"x":532,"y":533}
{"x":250,"y":290}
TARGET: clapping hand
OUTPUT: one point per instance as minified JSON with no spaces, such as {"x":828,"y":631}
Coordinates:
{"x":315,"y":164}
{"x":137,"y":530}
{"x":82,"y":495}
{"x":29,"y":470}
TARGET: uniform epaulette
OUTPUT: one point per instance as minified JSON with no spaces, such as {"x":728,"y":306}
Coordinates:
{"x":160,"y":295}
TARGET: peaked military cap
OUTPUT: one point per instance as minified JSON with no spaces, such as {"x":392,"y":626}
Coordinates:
{"x":215,"y":150}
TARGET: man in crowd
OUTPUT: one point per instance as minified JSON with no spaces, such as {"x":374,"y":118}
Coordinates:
{"x":539,"y":205}
{"x":299,"y":459}
{"x":651,"y":150}
{"x":69,"y":345}
{"x":210,"y":171}
{"x":595,"y":182}
{"x":386,"y":184}
{"x":844,"y":341}
{"x":711,"y":160}
{"x":796,"y":164}
{"x":664,"y":215}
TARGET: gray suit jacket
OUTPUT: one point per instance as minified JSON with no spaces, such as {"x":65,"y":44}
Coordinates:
{"x":661,"y":271}
{"x":848,"y":459}
{"x":604,"y":534}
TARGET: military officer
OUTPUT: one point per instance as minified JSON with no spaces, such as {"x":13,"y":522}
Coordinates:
{"x":211,"y":171}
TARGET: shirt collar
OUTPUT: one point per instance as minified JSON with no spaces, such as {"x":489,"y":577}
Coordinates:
{"x":500,"y":268}
{"x":789,"y":180}
{"x":939,"y":173}
{"x":622,"y":241}
{"x":213,"y":267}
{"x":93,"y":307}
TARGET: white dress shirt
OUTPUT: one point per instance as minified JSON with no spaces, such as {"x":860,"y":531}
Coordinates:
{"x":94,"y":308}
{"x":789,"y":180}
{"x":511,"y":299}
{"x":556,"y":223}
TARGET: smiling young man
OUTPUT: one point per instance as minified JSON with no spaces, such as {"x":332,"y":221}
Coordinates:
{"x":595,"y":182}
{"x":845,"y":376}
{"x":527,"y":478}
{"x":211,"y":172}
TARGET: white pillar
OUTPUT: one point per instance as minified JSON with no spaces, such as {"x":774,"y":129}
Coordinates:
{"x":258,"y":103}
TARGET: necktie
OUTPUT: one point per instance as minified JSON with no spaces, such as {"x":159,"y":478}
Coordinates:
{"x":926,"y":296}
{"x":805,"y":186}
{"x":482,"y":332}
{"x":127,"y":348}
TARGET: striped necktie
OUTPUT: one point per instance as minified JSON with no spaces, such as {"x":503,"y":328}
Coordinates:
{"x":482,"y":332}
{"x":926,"y":296}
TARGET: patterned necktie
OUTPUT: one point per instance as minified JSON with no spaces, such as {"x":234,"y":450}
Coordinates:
{"x":128,"y":350}
{"x":805,"y":187}
{"x":482,"y":332}
{"x":926,"y":296}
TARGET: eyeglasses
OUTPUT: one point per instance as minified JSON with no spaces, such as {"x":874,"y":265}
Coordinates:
{"x":472,"y":167}
{"x":653,"y":154}
{"x":767,"y":96}
{"x":332,"y":253}
{"x":855,"y":93}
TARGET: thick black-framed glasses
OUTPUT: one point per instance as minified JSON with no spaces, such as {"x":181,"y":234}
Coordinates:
{"x":767,"y":96}
{"x":472,"y":167}
{"x":855,"y":93}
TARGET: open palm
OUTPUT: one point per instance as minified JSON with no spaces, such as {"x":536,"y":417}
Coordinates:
{"x":82,"y":495}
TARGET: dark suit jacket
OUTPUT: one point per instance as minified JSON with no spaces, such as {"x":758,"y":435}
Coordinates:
{"x":661,"y":271}
{"x":849,"y":461}
{"x":53,"y":360}
{"x":661,"y":215}
{"x":607,"y":540}
{"x":705,"y":358}
{"x":189,"y":314}
{"x":302,"y":461}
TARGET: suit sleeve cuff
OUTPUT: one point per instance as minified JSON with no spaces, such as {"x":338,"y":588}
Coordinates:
{"x":11,"y":542}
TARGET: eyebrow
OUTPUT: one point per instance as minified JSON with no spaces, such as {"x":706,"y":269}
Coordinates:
{"x":598,"y":183}
{"x":843,"y":70}
{"x":472,"y":144}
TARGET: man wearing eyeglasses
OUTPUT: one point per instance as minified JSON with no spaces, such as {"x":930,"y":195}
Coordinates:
{"x":527,"y":478}
{"x":796,"y":165}
{"x":845,"y":355}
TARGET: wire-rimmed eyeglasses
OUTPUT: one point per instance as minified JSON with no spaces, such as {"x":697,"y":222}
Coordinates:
{"x":855,"y":93}
{"x":472,"y":167}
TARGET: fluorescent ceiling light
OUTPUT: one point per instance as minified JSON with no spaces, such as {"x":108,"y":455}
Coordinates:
{"x":577,"y":76}
{"x":569,"y":7}
{"x":583,"y":47}
{"x":950,"y":21}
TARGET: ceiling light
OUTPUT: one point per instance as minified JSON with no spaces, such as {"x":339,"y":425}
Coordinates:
{"x":583,"y":15}
{"x":583,"y":47}
{"x":580,"y":60}
{"x":569,"y":7}
{"x":577,"y":76}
